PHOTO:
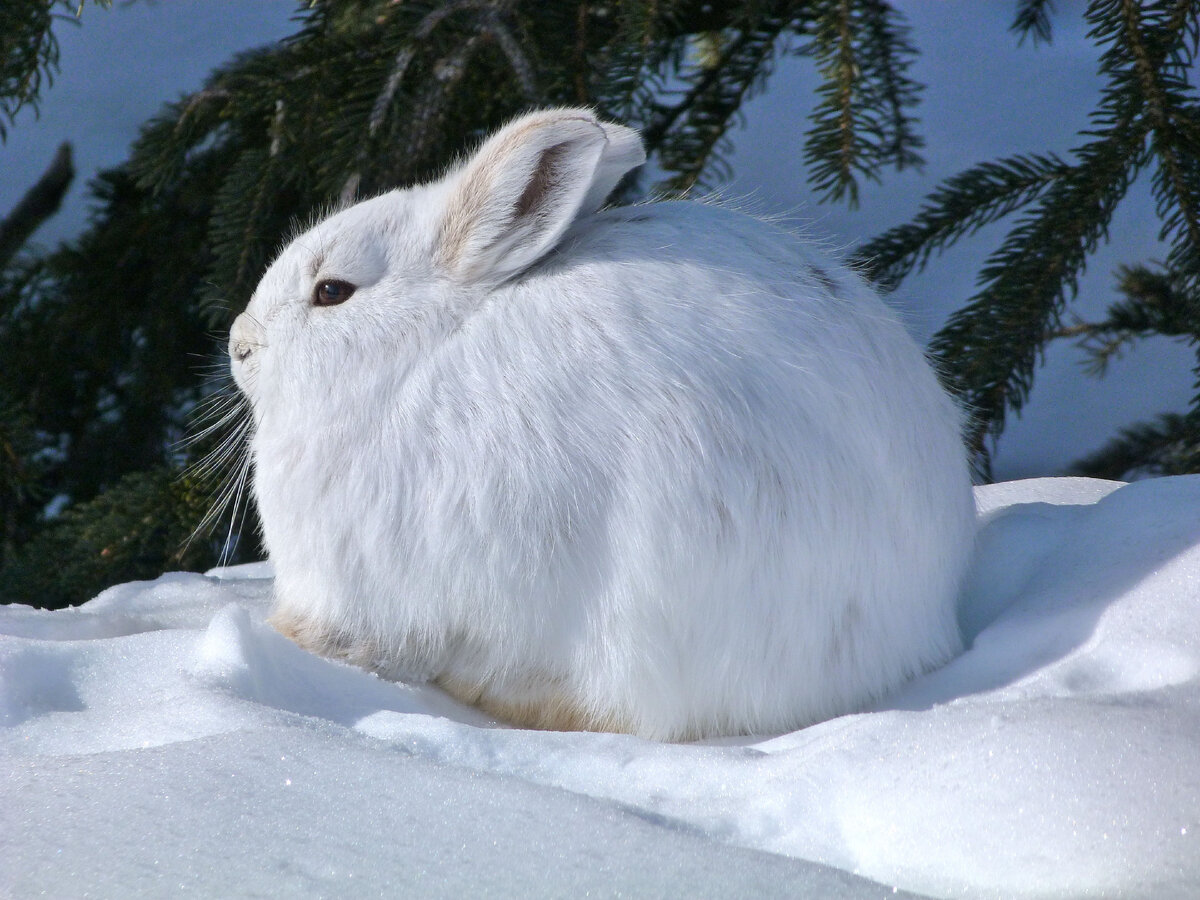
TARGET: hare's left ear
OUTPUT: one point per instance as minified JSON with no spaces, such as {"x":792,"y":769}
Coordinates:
{"x":512,"y":202}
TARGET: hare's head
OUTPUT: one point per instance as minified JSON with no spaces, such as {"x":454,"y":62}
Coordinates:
{"x":362,"y":294}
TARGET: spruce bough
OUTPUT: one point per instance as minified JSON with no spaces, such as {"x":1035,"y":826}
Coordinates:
{"x":368,"y":95}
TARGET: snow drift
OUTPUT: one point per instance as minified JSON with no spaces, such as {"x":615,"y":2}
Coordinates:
{"x":162,"y":739}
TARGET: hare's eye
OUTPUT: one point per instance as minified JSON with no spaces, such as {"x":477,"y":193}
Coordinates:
{"x":331,"y":293}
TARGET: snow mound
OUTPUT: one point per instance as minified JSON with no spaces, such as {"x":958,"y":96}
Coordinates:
{"x":163,"y":738}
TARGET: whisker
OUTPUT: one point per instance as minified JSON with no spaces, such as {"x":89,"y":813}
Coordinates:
{"x":234,"y":442}
{"x":216,"y":407}
{"x":224,"y":418}
{"x":238,"y":506}
{"x":217,"y":414}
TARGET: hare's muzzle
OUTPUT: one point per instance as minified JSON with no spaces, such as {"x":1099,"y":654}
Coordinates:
{"x":245,"y":339}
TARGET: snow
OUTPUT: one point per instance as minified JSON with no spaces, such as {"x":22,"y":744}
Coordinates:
{"x":162,"y":739}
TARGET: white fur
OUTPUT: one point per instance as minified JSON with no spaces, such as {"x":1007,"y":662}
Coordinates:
{"x":659,"y":469}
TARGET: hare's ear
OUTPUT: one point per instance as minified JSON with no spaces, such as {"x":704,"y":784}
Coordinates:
{"x":512,"y":202}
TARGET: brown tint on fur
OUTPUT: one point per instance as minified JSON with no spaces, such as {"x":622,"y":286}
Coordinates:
{"x":323,"y":642}
{"x":542,"y":180}
{"x":475,"y":188}
{"x":456,"y":228}
{"x":552,"y":710}
{"x":469,"y":198}
{"x":547,"y":705}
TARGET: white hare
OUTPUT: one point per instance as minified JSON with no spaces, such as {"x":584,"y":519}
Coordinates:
{"x":658,"y":469}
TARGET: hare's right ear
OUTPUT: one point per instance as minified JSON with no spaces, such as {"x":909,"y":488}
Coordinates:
{"x":512,"y":202}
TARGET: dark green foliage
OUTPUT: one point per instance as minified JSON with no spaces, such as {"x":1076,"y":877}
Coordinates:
{"x":1155,"y":301}
{"x":39,"y":203}
{"x":730,"y":65}
{"x":1167,"y":446}
{"x":133,"y":531}
{"x":103,"y":338}
{"x":1158,"y":301}
{"x":1033,"y":17}
{"x":1147,"y":121}
{"x":28,"y":51}
{"x":958,"y":208}
{"x":862,"y":121}
{"x":28,"y":54}
{"x":20,"y":475}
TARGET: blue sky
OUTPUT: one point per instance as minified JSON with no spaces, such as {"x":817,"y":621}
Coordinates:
{"x":986,"y":97}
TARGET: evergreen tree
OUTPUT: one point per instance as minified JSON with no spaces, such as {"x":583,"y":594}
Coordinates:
{"x":101,"y":337}
{"x":29,"y":51}
{"x":365,"y":96}
{"x":1147,"y":121}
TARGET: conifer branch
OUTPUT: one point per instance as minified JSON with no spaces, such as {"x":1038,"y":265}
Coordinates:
{"x":1160,"y":107}
{"x":889,"y":55}
{"x":488,"y":23}
{"x":833,"y":147}
{"x":958,"y":208}
{"x":521,"y":67}
{"x":861,"y":121}
{"x":1154,"y":301}
{"x":989,"y":348}
{"x":39,"y":203}
{"x":428,"y":107}
{"x":1167,"y":446}
{"x":579,"y":57}
{"x":408,"y":51}
{"x":842,"y":72}
{"x":687,"y":133}
{"x":1033,"y":18}
{"x":29,"y":51}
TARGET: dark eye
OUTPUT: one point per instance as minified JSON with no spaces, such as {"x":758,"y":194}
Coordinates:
{"x":331,"y":293}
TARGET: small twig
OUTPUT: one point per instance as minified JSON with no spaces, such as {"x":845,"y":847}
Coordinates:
{"x":277,"y":128}
{"x":1080,"y":329}
{"x":448,"y":71}
{"x":39,"y":203}
{"x":198,"y":98}
{"x":516,"y":56}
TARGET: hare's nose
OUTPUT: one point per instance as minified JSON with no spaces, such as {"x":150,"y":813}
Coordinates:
{"x":242,"y":339}
{"x":240,"y":349}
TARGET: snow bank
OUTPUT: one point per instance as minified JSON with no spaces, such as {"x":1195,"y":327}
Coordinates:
{"x":161,"y":738}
